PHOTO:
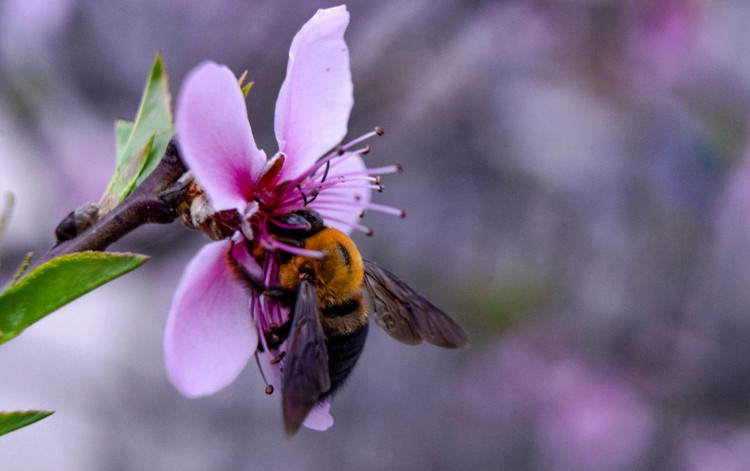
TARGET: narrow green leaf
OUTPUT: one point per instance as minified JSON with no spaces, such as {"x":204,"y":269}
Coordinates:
{"x":141,"y":143}
{"x":10,"y":421}
{"x":245,"y":87}
{"x":56,"y":283}
{"x":128,"y":176}
{"x":155,"y":151}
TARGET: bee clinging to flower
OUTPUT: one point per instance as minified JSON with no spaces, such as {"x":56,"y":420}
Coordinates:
{"x":283,"y":281}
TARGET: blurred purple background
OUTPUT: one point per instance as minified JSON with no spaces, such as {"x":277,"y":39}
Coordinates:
{"x":577,"y":179}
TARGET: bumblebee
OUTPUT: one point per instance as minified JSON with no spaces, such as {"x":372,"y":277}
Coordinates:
{"x":332,"y":299}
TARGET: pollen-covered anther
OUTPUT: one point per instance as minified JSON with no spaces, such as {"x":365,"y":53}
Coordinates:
{"x":276,"y":360}
{"x":269,"y":389}
{"x":379,"y":131}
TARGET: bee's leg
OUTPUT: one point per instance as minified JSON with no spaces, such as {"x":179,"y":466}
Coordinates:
{"x":257,"y":284}
{"x":277,"y":335}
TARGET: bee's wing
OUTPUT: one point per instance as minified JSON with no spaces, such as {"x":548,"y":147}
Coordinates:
{"x":305,"y":378}
{"x":405,"y":314}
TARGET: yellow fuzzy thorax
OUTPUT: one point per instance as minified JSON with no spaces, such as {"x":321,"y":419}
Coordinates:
{"x":336,"y":277}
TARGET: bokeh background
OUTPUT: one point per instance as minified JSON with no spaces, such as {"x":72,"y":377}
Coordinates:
{"x":577,"y":181}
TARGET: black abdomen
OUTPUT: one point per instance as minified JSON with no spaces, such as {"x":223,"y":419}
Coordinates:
{"x":343,"y":353}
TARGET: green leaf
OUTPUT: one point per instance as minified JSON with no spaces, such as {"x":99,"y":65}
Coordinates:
{"x":141,"y":143}
{"x":56,"y":283}
{"x":10,"y":421}
{"x":123,"y":130}
{"x":245,"y":87}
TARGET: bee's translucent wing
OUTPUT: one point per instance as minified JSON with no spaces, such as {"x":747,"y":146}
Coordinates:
{"x":305,"y":377}
{"x":405,"y":314}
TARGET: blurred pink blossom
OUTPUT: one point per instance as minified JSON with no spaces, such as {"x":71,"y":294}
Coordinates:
{"x":580,"y":417}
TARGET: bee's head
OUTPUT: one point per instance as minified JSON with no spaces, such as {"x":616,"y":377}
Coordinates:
{"x":299,"y":224}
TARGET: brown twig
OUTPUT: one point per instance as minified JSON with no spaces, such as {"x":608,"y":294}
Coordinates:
{"x":142,"y":206}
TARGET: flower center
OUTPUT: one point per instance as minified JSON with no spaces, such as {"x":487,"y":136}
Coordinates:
{"x":313,"y":188}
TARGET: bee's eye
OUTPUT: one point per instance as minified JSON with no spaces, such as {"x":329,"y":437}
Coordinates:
{"x":313,"y":217}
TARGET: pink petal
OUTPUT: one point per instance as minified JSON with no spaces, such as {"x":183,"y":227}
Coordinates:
{"x":210,"y":334}
{"x":319,"y":418}
{"x":315,"y":100}
{"x":341,"y":205}
{"x":215,"y":138}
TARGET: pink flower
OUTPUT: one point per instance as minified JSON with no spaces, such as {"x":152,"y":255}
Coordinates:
{"x":214,"y":322}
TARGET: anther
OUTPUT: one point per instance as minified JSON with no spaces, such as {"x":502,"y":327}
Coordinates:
{"x":273,"y":326}
{"x":379,"y":131}
{"x":403,"y":214}
{"x":275,"y":360}
{"x":362,"y":214}
{"x":399,"y":168}
{"x":340,"y":150}
{"x":377,"y":180}
{"x":269,"y":389}
{"x":366,"y":149}
{"x":369,"y":232}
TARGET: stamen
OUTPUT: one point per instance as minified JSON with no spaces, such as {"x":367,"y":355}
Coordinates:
{"x":359,"y":227}
{"x":269,"y":243}
{"x":378,"y":131}
{"x":350,"y":185}
{"x":385,"y":209}
{"x":325,"y":174}
{"x":311,"y":186}
{"x":396,"y":168}
{"x":262,"y":373}
{"x":331,"y":199}
{"x":269,"y":389}
{"x":338,"y":152}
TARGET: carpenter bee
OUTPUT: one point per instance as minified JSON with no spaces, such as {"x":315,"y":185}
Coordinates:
{"x":331,"y":300}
